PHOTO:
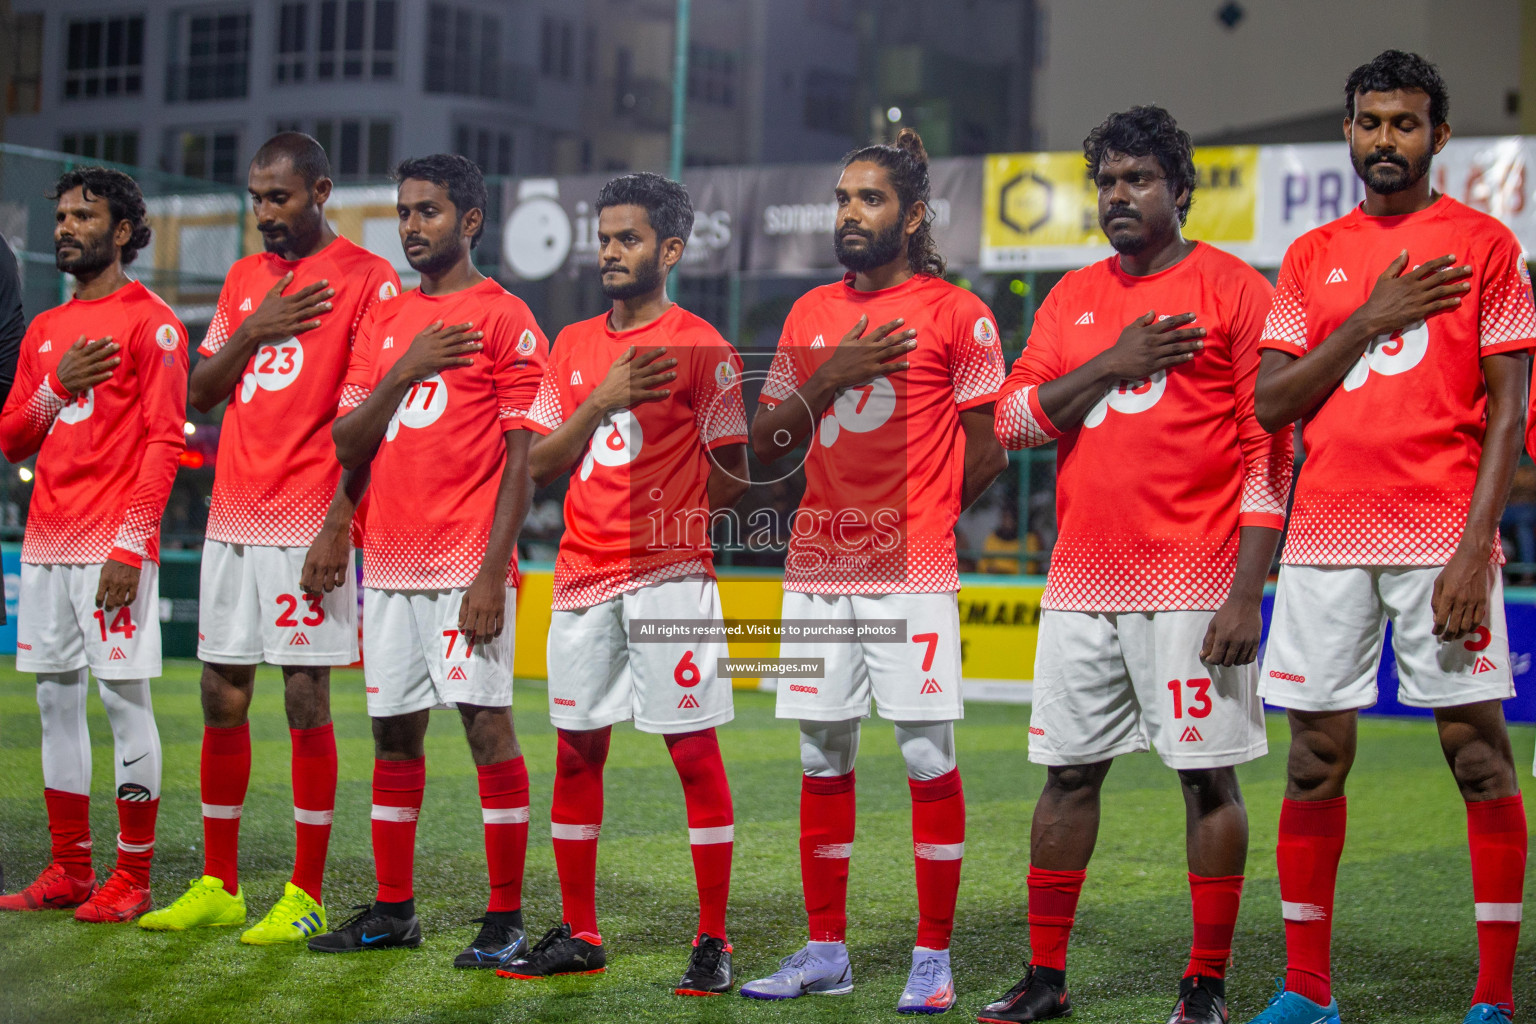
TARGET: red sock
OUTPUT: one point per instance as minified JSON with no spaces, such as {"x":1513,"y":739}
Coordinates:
{"x":314,"y":803}
{"x":397,"y":790}
{"x":136,"y":837}
{"x":1496,"y":833}
{"x":1311,"y":842}
{"x":711,"y":823}
{"x":938,"y":842}
{"x":226,"y":772}
{"x":827,"y":812}
{"x":69,"y":822}
{"x":1052,"y":907}
{"x":576,"y":818}
{"x":1215,"y":902}
{"x":504,"y":810}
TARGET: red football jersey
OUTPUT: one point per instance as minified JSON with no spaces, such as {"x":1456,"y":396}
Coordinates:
{"x":1153,"y":486}
{"x":1392,"y":452}
{"x":637,"y":511}
{"x":884,"y":471}
{"x":432,"y":494}
{"x":277,"y":468}
{"x":106,"y":459}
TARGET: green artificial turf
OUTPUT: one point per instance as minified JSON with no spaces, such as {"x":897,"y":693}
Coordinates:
{"x":1404,"y":945}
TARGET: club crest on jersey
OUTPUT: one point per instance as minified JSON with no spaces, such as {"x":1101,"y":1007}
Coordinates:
{"x":984,"y":332}
{"x":1085,"y":320}
{"x":387,"y":290}
{"x":1336,"y":276}
{"x":165,"y":337}
{"x":1389,"y":354}
{"x":526,"y":343}
{"x":1525,"y":271}
{"x":615,"y":442}
{"x":1129,"y":397}
{"x":725,"y":373}
{"x":859,"y":409}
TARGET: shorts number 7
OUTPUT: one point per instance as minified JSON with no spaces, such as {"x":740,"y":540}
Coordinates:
{"x":932,"y":640}
{"x":453,"y":636}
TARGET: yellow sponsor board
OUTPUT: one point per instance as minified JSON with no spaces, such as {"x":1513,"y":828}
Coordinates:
{"x":1034,"y":205}
{"x":998,"y":625}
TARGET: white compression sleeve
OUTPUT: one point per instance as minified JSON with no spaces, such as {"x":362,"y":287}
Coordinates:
{"x":136,"y":739}
{"x":828,"y":749}
{"x":66,"y":740}
{"x":927,"y":747}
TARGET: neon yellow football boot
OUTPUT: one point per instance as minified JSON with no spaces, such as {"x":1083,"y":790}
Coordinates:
{"x":205,"y":904}
{"x":294,"y":917}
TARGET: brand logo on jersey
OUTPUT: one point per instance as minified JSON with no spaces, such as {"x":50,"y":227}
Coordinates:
{"x":725,"y":373}
{"x":1483,"y":664}
{"x":859,"y":409}
{"x":984,"y":332}
{"x":117,"y":655}
{"x":46,"y":346}
{"x":389,"y":342}
{"x":1191,"y":735}
{"x":273,"y":368}
{"x":687,"y":702}
{"x":387,"y":290}
{"x":563,"y":702}
{"x":802,"y":688}
{"x":526,"y":343}
{"x":299,"y":640}
{"x":1085,"y":319}
{"x":421,"y":407}
{"x":820,"y":342}
{"x":457,"y":673}
{"x":931,"y":686}
{"x":1336,"y":276}
{"x":616,"y":442}
{"x":575,"y":378}
{"x":166,"y":337}
{"x":245,"y":307}
{"x":1129,"y":397}
{"x":1287,"y":676}
{"x":1389,"y":355}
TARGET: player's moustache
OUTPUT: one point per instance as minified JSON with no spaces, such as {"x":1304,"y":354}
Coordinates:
{"x":853,"y":232}
{"x":1395,"y":159}
{"x":68,"y":241}
{"x":1115,"y":212}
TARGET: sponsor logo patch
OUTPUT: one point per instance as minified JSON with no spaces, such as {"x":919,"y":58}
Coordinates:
{"x":565,"y":703}
{"x":1289,"y":677}
{"x":802,"y":688}
{"x":1035,"y":730}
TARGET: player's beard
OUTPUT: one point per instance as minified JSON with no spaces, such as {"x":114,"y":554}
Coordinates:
{"x":95,"y":256}
{"x":282,"y":239}
{"x":1125,"y":244}
{"x":643,"y":277}
{"x":1414,"y":171}
{"x":439,"y":257}
{"x":882,"y":248}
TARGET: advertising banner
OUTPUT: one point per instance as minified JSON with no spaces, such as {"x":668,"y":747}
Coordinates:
{"x":1040,"y":211}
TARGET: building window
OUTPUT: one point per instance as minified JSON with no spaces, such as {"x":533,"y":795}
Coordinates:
{"x":589,"y":56}
{"x":336,"y":40}
{"x":358,"y":148}
{"x":491,"y":150}
{"x":25,"y":91}
{"x":557,"y":49}
{"x":711,"y":75}
{"x":464,"y":52}
{"x":117,"y":147}
{"x":103,"y":57}
{"x":829,"y":102}
{"x":198,"y":153}
{"x":212,"y":56}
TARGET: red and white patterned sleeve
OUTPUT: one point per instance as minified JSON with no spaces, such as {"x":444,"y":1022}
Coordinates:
{"x":162,"y":377}
{"x":1268,"y":459}
{"x":34,"y":401}
{"x":1506,"y":319}
{"x":382,"y":284}
{"x":521,"y":355}
{"x":785,"y":373}
{"x":220,"y":327}
{"x":720,"y":415}
{"x":359,"y":381}
{"x":975,"y":355}
{"x":1018,"y":419}
{"x":1285,"y":329}
{"x":549,"y":403}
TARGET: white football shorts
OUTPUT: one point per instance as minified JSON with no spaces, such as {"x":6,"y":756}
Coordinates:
{"x":1326,"y":635}
{"x":1112,"y":683}
{"x":599,"y":677}
{"x":60,"y":629}
{"x":415,"y":658}
{"x":250,"y":609}
{"x":916,"y":679}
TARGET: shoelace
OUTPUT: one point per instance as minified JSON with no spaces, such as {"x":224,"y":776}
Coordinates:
{"x":491,"y":934}
{"x":52,"y":873}
{"x":364,"y":913}
{"x":1020,"y":988}
{"x":1501,"y":1013}
{"x":117,"y":885}
{"x":1270,"y":1015}
{"x":290,"y":906}
{"x":706,"y":956}
{"x":797,"y":960}
{"x":929,"y":970}
{"x":547,"y":942}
